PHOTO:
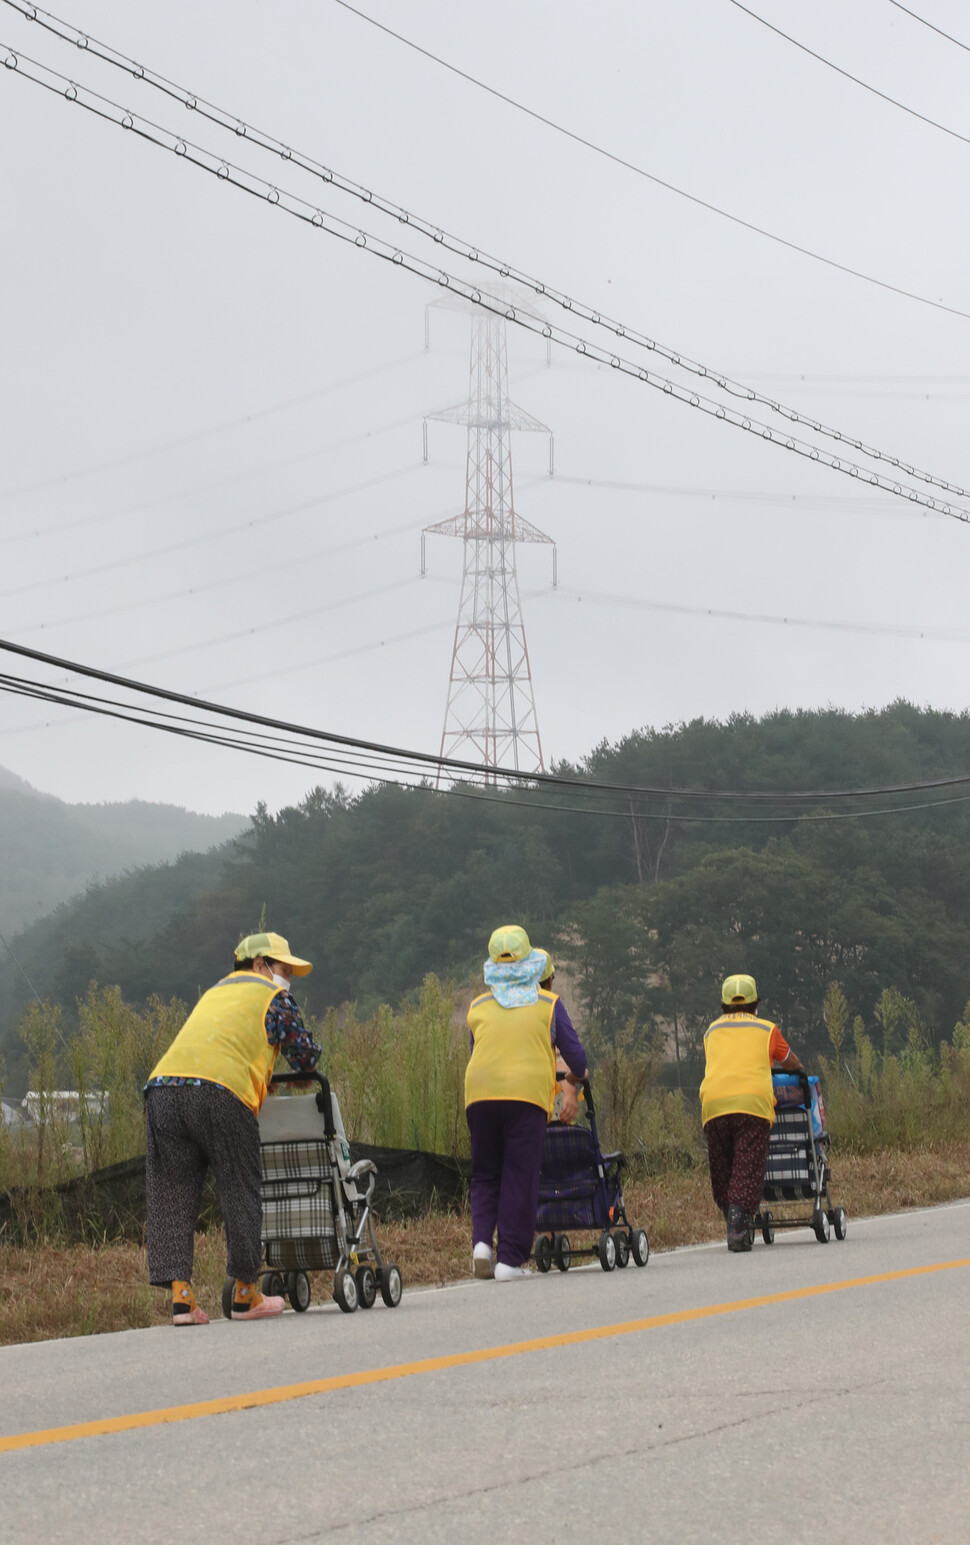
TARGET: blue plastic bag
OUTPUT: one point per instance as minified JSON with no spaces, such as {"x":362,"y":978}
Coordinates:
{"x":788,"y":1092}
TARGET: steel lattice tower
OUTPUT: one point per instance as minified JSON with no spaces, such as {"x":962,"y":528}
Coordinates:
{"x":490,"y":715}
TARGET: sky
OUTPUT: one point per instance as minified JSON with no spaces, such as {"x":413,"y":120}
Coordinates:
{"x":212,"y":472}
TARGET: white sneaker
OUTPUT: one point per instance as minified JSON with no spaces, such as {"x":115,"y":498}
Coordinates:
{"x":482,"y":1261}
{"x":505,"y":1273}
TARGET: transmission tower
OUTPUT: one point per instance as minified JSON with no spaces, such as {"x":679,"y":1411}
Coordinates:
{"x":490,"y":715}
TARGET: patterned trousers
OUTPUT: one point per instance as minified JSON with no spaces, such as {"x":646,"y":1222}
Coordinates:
{"x":737,"y":1149}
{"x":190,"y":1127}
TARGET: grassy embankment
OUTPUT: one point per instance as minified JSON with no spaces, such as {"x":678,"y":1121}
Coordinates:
{"x":49,"y":1290}
{"x":899,"y":1117}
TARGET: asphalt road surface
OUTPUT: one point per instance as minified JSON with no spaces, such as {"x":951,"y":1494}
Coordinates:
{"x":804,"y":1392}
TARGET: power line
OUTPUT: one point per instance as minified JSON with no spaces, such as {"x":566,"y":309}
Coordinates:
{"x":124,"y":511}
{"x":241,"y":130}
{"x":247,"y":182}
{"x":630,"y":166}
{"x":204,"y":434}
{"x":846,"y":74}
{"x":194,"y":730}
{"x":924,"y":23}
{"x":426,"y":760}
{"x":238,"y":529}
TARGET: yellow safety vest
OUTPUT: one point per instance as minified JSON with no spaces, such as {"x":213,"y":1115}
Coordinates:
{"x":737,"y":1078}
{"x":512,"y":1056}
{"x":224,"y":1039}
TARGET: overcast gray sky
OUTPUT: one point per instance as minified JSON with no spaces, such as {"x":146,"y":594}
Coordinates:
{"x":221,"y":363}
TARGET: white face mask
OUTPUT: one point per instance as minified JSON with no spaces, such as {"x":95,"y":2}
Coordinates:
{"x":281,"y":981}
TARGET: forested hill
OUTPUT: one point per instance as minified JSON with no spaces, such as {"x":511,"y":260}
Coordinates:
{"x":379,"y":889}
{"x":49,"y":850}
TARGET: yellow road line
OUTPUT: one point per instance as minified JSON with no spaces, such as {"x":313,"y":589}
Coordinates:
{"x":286,"y":1392}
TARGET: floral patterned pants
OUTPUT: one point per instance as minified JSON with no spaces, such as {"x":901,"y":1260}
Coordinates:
{"x":737,"y":1149}
{"x":190,"y":1128}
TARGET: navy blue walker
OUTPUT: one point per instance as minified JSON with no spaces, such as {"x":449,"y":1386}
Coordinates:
{"x":579,"y":1188}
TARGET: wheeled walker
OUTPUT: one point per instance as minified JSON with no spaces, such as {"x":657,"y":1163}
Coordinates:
{"x":797,"y":1168}
{"x":580,"y":1189}
{"x":316,"y":1204}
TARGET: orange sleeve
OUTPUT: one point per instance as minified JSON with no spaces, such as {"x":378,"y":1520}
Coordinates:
{"x":778,"y":1047}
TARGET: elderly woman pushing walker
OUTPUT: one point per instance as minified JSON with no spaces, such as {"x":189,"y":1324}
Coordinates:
{"x":510,"y":1085}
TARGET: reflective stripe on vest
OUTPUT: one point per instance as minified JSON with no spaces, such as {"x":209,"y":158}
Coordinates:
{"x":224,"y":1039}
{"x":737,"y":1078}
{"x":512,"y":1056}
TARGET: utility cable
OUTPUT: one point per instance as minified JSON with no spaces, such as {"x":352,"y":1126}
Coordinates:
{"x":205,"y":434}
{"x":924,"y":23}
{"x":424,"y":759}
{"x":630,"y":166}
{"x":249,"y":183}
{"x":124,"y":511}
{"x":893,"y":102}
{"x":66,"y":32}
{"x":506,"y":798}
{"x":237,"y":530}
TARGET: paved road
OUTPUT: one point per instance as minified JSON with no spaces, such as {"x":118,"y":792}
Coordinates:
{"x":733,"y":1398}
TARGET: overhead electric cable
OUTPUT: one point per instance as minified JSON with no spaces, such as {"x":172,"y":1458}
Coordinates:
{"x":759,"y":618}
{"x":204,"y":434}
{"x":248,"y":475}
{"x":224,"y":582}
{"x":630,"y":166}
{"x":22,"y":687}
{"x":924,"y":23}
{"x":426,"y":759}
{"x":292,"y":204}
{"x":238,"y":530}
{"x":846,"y":74}
{"x":337,"y":181}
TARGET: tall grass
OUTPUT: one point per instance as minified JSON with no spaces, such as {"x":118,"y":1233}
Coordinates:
{"x":906,"y":1094}
{"x":400,"y":1078}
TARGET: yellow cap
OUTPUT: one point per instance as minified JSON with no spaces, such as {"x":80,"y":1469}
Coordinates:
{"x":548,"y":969}
{"x":272,"y":946}
{"x":510,"y":942}
{"x":738,"y":991}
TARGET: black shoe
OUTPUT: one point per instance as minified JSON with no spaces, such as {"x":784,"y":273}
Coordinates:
{"x":738,"y":1230}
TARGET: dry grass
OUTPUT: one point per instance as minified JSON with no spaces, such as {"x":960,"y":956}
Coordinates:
{"x":52,"y":1290}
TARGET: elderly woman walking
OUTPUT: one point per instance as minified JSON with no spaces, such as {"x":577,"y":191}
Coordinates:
{"x":510,"y":1085}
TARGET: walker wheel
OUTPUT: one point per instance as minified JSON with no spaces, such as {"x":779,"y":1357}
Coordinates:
{"x":822,"y":1226}
{"x":298,"y":1290}
{"x":366,"y":1286}
{"x":622,"y":1246}
{"x":345,"y":1291}
{"x":839,"y":1220}
{"x":767,"y":1227}
{"x":228,"y":1294}
{"x":392,"y":1286}
{"x":543,"y":1252}
{"x":272,"y":1285}
{"x":639,"y":1246}
{"x":606,"y":1250}
{"x":562,"y":1252}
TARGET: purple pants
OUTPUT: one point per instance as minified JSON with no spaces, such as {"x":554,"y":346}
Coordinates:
{"x":507,"y":1140}
{"x":737,"y":1149}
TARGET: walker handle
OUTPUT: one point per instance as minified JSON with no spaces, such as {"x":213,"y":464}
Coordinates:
{"x":324,"y":1105}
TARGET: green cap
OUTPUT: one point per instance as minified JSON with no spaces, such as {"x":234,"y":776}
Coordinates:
{"x":548,"y":969}
{"x":738,"y":991}
{"x":510,"y":942}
